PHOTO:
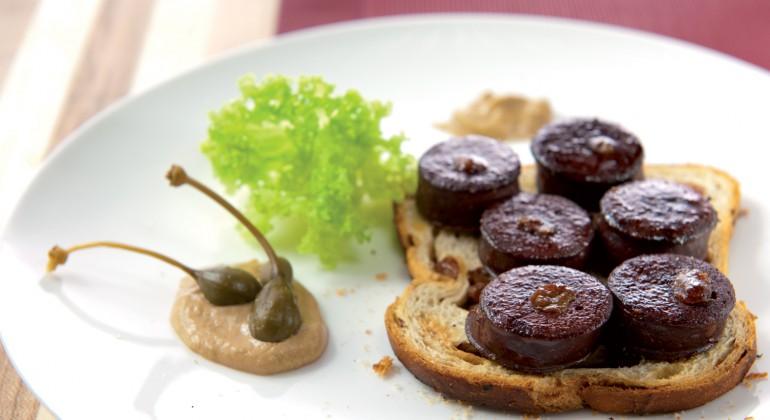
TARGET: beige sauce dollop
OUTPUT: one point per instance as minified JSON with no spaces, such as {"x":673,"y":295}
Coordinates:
{"x":221,"y":333}
{"x":502,"y":117}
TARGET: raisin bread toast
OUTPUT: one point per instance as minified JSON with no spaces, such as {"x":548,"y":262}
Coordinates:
{"x":426,"y":326}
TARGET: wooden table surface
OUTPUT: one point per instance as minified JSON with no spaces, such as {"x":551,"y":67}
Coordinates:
{"x":62,"y":61}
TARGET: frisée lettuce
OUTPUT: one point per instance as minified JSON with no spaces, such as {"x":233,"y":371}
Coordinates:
{"x":306,"y":153}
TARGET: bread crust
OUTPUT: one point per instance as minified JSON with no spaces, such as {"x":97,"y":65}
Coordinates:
{"x":422,"y":326}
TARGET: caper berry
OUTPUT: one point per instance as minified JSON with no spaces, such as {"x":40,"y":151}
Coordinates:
{"x":275,"y":315}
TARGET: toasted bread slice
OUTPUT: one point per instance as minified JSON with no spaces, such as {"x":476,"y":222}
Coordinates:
{"x":426,"y":327}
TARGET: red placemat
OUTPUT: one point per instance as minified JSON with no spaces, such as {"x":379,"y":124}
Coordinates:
{"x":736,"y":27}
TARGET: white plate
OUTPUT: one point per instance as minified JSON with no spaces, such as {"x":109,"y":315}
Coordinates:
{"x":96,"y":343}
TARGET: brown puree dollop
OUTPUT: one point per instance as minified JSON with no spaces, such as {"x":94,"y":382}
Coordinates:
{"x":500,"y":116}
{"x":221,"y":333}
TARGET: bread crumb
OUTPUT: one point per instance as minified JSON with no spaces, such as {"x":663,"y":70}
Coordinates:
{"x":677,"y":416}
{"x":753,"y":377}
{"x":383,"y":367}
{"x":465,"y":414}
{"x":756,"y":376}
{"x":368,"y":332}
{"x":749,"y":418}
{"x":342,"y":292}
{"x":381,"y":276}
{"x":432,"y":398}
{"x":532,"y":417}
{"x":742,"y":212}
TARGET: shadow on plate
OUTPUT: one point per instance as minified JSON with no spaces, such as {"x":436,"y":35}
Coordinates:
{"x":170,"y":368}
{"x":53,"y":285}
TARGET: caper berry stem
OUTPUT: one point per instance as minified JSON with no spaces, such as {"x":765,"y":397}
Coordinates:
{"x":177,"y":176}
{"x":58,"y":256}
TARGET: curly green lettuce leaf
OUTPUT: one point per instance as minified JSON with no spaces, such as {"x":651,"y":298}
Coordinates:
{"x":307,"y":154}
